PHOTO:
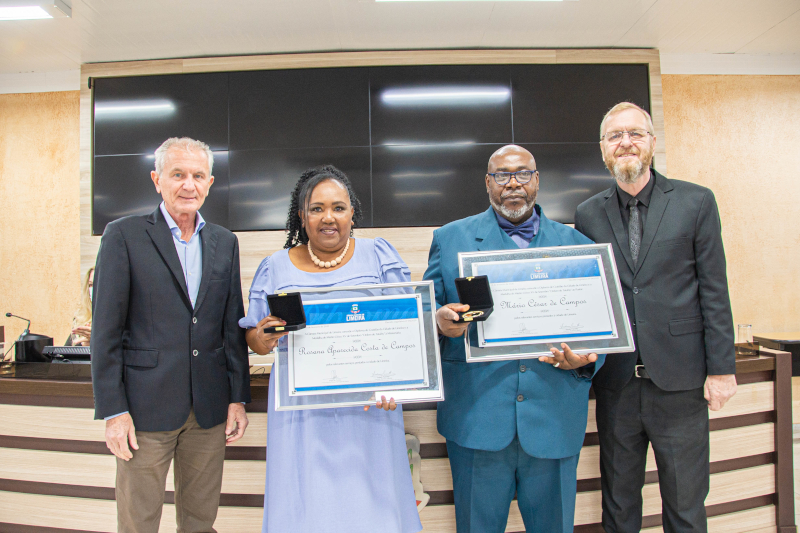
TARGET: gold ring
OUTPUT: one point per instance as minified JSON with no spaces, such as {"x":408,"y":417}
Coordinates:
{"x":471,"y":314}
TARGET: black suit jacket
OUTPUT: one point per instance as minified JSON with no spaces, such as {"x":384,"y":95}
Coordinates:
{"x":677,"y":296}
{"x":152,"y":354}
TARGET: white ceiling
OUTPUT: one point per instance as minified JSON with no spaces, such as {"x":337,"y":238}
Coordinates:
{"x":113,"y":30}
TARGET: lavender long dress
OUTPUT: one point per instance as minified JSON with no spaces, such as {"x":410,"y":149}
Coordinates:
{"x":334,"y":470}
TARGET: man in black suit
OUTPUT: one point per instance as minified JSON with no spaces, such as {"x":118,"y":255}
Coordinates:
{"x":668,"y":246}
{"x":169,"y":360}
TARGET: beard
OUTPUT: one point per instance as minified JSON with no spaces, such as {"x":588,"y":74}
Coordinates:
{"x":631,"y":171}
{"x":513,"y":214}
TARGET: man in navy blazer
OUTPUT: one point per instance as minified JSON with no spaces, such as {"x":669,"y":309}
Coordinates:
{"x":511,"y":426}
{"x":169,"y":361}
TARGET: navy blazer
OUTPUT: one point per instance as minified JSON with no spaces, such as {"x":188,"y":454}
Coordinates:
{"x":480,"y":410}
{"x":152,"y":353}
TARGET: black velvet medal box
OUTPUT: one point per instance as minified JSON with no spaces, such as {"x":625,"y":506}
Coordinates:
{"x":287,"y":306}
{"x":475,"y":292}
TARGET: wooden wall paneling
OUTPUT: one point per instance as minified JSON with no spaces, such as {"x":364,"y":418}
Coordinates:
{"x":51,"y":422}
{"x":229,"y":520}
{"x":784,"y":463}
{"x":422,"y":424}
{"x":78,"y":424}
{"x":731,"y":443}
{"x":725,"y":445}
{"x":256,"y":434}
{"x":59,"y":512}
{"x":726,"y":486}
{"x":758,"y":520}
{"x":435,"y":474}
{"x":93,"y":470}
{"x":750,"y":398}
{"x":368,"y":59}
{"x":101,"y":515}
{"x":84,"y":469}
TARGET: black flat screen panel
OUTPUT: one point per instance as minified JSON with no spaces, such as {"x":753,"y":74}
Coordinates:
{"x":263,"y":180}
{"x":568,"y":174}
{"x":440,"y":104}
{"x":414,"y":140}
{"x":566,"y":103}
{"x":135,"y":115}
{"x":429,"y":185}
{"x":123,"y":187}
{"x":299,"y":108}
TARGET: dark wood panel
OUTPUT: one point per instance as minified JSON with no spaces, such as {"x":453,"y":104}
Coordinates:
{"x":107,"y":493}
{"x":784,"y":469}
{"x":18,"y":528}
{"x":750,"y":419}
{"x":232,"y":453}
{"x":588,"y":485}
{"x":711,"y":510}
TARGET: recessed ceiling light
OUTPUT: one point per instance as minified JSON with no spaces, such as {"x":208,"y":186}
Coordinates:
{"x":23,"y":13}
{"x":34,"y":9}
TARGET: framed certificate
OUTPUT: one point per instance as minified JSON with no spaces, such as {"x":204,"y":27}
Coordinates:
{"x":546,"y":296}
{"x":361,"y":343}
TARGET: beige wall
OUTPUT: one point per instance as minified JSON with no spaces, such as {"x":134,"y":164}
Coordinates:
{"x":734,"y":134}
{"x":39,"y":213}
{"x":739,"y":136}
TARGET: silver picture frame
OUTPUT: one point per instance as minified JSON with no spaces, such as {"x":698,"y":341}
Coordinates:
{"x":621,"y":341}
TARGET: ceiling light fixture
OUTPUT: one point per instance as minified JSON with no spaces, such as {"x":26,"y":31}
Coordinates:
{"x":34,"y":9}
{"x":134,"y":109}
{"x":446,"y":96}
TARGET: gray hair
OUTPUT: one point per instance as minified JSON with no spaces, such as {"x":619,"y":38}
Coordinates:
{"x":184,"y":143}
{"x":622,"y":106}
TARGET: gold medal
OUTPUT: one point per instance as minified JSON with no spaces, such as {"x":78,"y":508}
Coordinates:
{"x":470,"y":315}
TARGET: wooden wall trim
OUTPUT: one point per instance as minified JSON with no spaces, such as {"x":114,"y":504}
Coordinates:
{"x":784,"y":469}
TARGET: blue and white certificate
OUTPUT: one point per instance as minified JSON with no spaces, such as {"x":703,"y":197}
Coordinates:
{"x":362,"y":344}
{"x":546,"y":300}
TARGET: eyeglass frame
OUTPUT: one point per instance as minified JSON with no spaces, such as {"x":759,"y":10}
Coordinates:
{"x":513,"y":175}
{"x":623,"y":132}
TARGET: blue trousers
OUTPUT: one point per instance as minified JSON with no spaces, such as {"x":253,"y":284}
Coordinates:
{"x":484,"y":483}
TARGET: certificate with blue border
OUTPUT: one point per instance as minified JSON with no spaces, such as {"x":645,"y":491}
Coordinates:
{"x":548,"y":299}
{"x":359,"y":344}
{"x":546,"y":296}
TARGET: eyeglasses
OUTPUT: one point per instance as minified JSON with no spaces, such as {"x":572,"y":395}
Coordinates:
{"x":636,"y":136}
{"x":522,"y":176}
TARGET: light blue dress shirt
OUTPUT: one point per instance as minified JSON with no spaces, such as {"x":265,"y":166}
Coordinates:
{"x":191,"y":256}
{"x":190,"y":253}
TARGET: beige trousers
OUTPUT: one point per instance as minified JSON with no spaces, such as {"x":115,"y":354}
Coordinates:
{"x":199,"y":455}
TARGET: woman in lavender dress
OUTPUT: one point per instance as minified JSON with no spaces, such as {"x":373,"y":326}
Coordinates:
{"x":330,"y":470}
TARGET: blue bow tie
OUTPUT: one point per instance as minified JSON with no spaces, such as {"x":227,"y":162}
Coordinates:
{"x":526,"y":230}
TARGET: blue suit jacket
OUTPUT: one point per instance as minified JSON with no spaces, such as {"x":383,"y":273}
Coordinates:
{"x":481,"y":410}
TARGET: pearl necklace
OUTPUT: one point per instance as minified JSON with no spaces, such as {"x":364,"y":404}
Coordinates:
{"x":328,"y":264}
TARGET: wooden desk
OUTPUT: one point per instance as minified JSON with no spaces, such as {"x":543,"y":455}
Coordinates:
{"x":55,"y":470}
{"x":786,"y":341}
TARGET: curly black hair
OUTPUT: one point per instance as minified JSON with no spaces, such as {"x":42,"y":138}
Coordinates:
{"x":302,"y":193}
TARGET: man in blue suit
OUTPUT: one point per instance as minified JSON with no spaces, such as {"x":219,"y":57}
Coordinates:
{"x":511,"y":426}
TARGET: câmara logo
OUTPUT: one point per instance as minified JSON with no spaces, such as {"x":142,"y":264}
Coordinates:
{"x":355,"y":315}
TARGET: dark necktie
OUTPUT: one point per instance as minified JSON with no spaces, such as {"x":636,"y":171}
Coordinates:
{"x":634,"y":230}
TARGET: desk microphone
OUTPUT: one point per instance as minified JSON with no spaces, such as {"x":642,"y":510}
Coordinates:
{"x":27,"y":328}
